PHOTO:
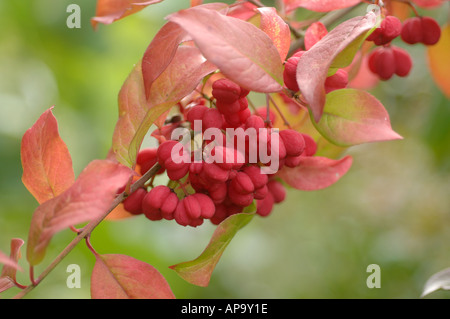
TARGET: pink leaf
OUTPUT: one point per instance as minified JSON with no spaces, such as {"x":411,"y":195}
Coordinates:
{"x":87,"y":199}
{"x":314,"y":34}
{"x":123,"y":277}
{"x":319,"y":5}
{"x":429,"y":3}
{"x":8,"y":261}
{"x":244,"y":53}
{"x":46,"y":162}
{"x":275,"y":27}
{"x":109,"y":11}
{"x":335,"y":50}
{"x":9,"y":270}
{"x":314,"y":173}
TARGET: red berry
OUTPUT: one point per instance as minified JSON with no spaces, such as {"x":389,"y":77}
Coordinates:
{"x":431,"y":31}
{"x":219,"y":215}
{"x":239,"y":199}
{"x":264,"y":206}
{"x":403,"y":62}
{"x":290,"y":73}
{"x":160,"y":202}
{"x":254,"y":121}
{"x":133,"y":203}
{"x":226,"y":91}
{"x":206,"y":205}
{"x":389,"y":29}
{"x":212,"y":119}
{"x":228,"y":108}
{"x":242,"y":183}
{"x":382,"y":62}
{"x":277,"y":190}
{"x":192,"y":207}
{"x":215,"y":173}
{"x":254,"y":172}
{"x":310,"y":145}
{"x":293,"y":142}
{"x":337,"y":81}
{"x":261,"y":192}
{"x":412,"y":32}
{"x":146,"y":159}
{"x":217,"y":192}
{"x":196,"y":113}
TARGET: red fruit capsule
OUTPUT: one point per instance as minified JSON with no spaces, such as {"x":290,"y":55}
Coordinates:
{"x":242,"y":183}
{"x":337,"y":81}
{"x":212,"y":119}
{"x":264,"y":206}
{"x":389,"y":29}
{"x":290,"y":73}
{"x":293,"y":142}
{"x":226,"y":91}
{"x":382,"y":62}
{"x":133,"y":203}
{"x":258,"y":179}
{"x":277,"y":190}
{"x":206,"y":205}
{"x":403,"y":62}
{"x":412,"y":32}
{"x":431,"y":31}
{"x":196,"y":113}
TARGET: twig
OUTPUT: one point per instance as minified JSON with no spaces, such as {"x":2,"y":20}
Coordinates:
{"x":87,"y":230}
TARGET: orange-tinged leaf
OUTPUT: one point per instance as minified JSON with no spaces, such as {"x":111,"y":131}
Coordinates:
{"x":315,"y":173}
{"x":109,"y":11}
{"x":243,"y":53}
{"x":438,"y":57}
{"x":314,"y":34}
{"x":429,"y":3}
{"x":123,"y":277}
{"x":275,"y":27}
{"x":46,"y":161}
{"x":198,"y":271}
{"x":87,"y":199}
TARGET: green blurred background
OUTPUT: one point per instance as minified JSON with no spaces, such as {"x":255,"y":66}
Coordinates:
{"x":391,"y":209}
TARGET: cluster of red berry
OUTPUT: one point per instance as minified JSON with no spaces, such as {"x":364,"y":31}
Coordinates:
{"x":387,"y":59}
{"x":217,"y":189}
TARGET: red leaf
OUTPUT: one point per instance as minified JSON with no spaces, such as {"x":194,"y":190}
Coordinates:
{"x":335,"y":50}
{"x":87,"y":199}
{"x":154,"y":63}
{"x":9,"y":270}
{"x":8,"y":274}
{"x":314,"y":173}
{"x":46,"y":161}
{"x":275,"y":27}
{"x":429,"y":3}
{"x":314,"y":34}
{"x":319,"y":6}
{"x":244,"y":53}
{"x":109,"y":11}
{"x":123,"y":277}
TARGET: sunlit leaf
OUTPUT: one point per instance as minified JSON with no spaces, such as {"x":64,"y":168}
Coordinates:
{"x":109,"y":11}
{"x":87,"y":199}
{"x":314,"y":173}
{"x":244,"y":53}
{"x":336,"y":50}
{"x":46,"y":161}
{"x":275,"y":27}
{"x":123,"y":277}
{"x":199,"y":270}
{"x":352,"y":117}
{"x":439,"y":62}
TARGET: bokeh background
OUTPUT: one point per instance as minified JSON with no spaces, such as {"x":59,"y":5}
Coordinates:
{"x":391,"y":209}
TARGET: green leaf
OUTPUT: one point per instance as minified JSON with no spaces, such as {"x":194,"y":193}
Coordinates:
{"x":352,"y":117}
{"x":199,"y":270}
